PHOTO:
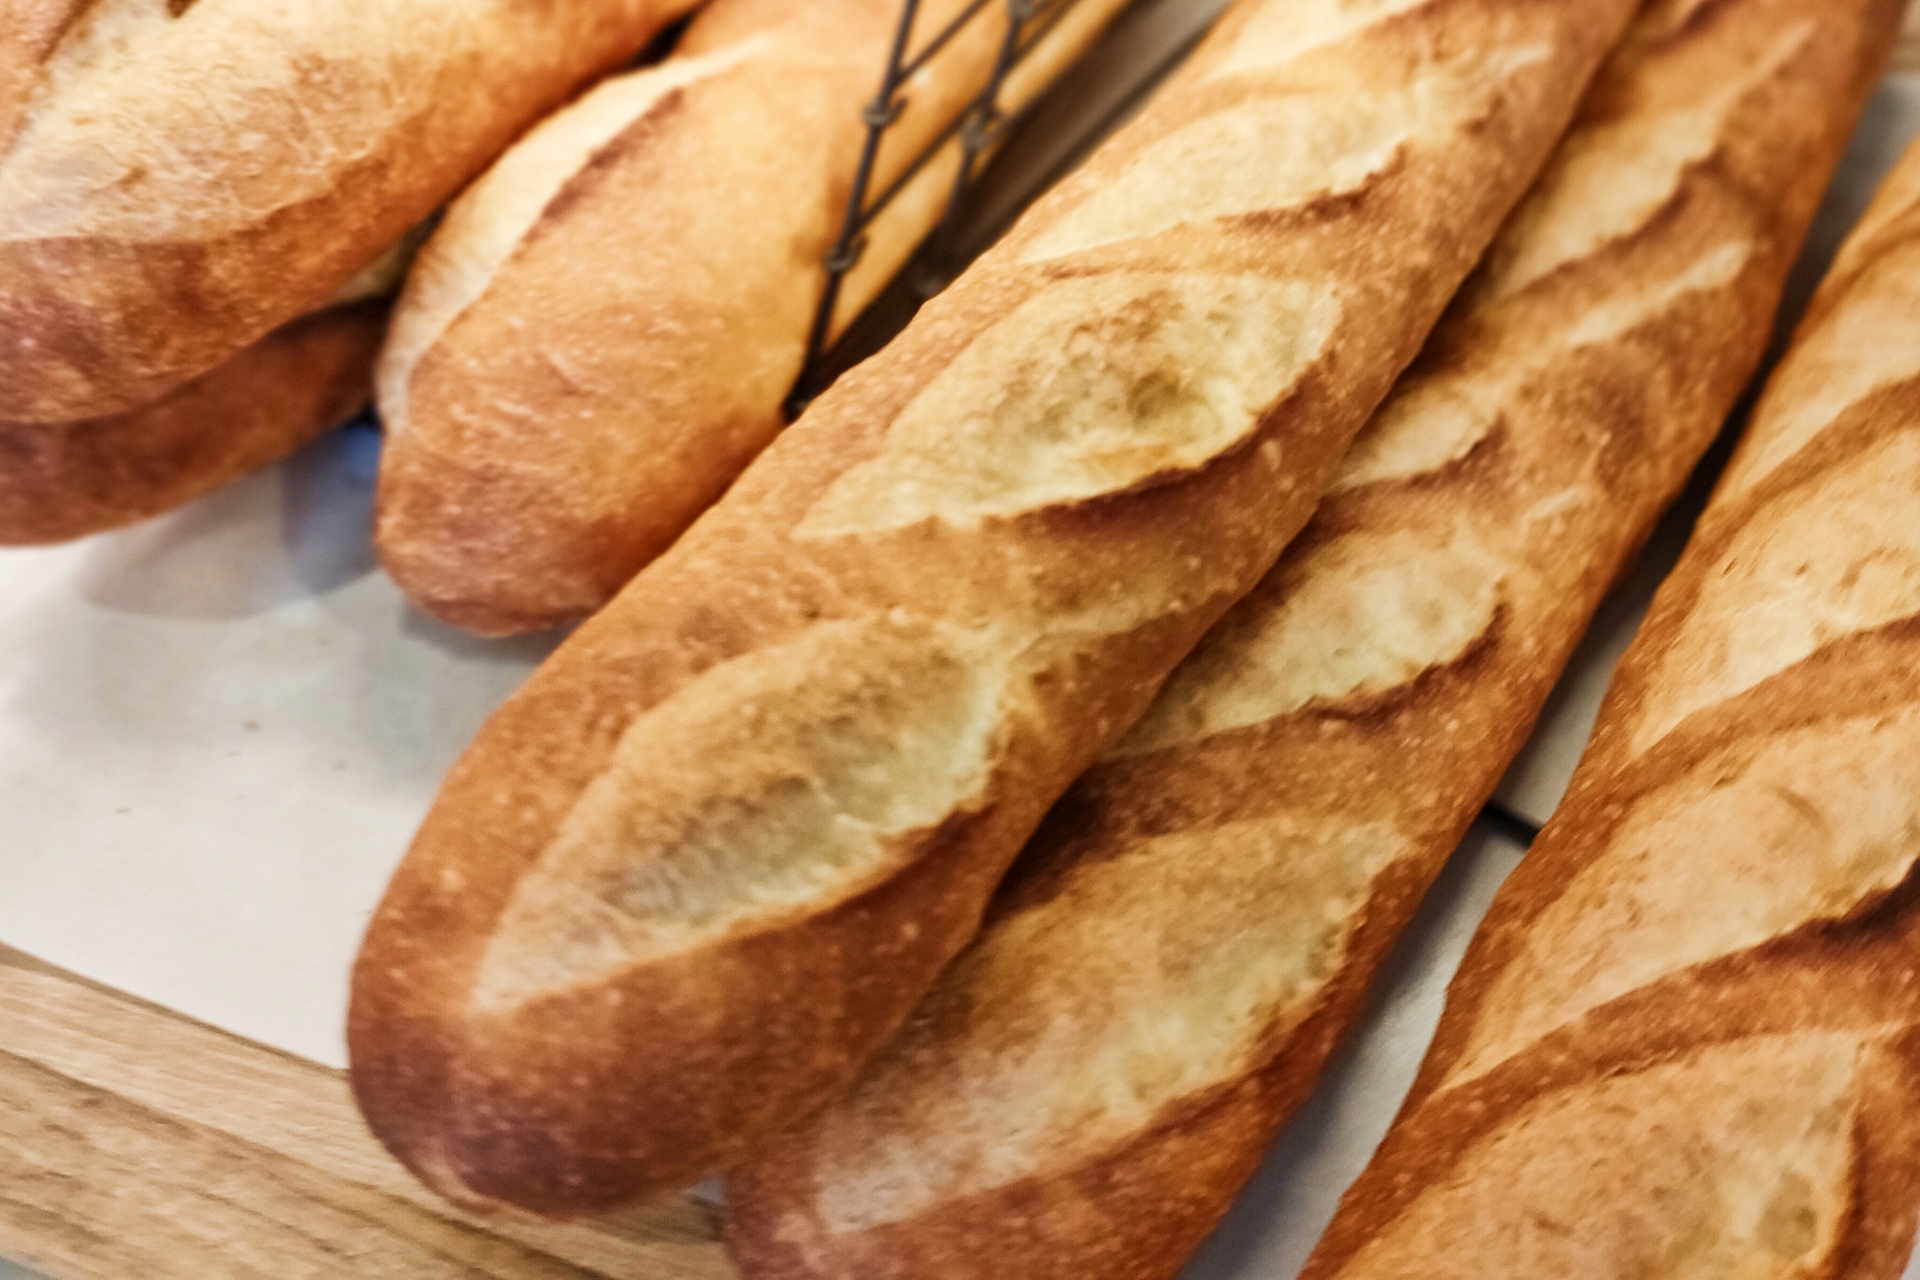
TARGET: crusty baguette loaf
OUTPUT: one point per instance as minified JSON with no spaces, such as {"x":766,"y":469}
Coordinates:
{"x":1177,"y":952}
{"x":60,"y":481}
{"x":693,"y":875}
{"x":179,"y":179}
{"x":1686,"y":1040}
{"x":601,"y":335}
{"x":67,"y":481}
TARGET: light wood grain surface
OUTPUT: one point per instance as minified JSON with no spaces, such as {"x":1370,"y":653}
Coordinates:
{"x":136,"y":1143}
{"x":1907,"y":57}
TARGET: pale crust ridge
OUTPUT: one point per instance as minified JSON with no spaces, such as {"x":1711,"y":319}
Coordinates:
{"x":1069,"y":588}
{"x":1195,"y":925}
{"x":1705,"y":978}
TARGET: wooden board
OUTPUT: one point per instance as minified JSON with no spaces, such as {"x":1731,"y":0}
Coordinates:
{"x":136,"y":1143}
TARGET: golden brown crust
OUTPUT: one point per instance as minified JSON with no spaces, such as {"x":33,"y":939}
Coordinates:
{"x":1705,"y":978}
{"x":707,"y":861}
{"x":614,"y":365}
{"x":65,"y":481}
{"x":1181,"y":946}
{"x":156,"y":218}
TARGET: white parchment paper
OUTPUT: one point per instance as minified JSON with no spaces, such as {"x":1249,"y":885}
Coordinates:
{"x":217,"y":733}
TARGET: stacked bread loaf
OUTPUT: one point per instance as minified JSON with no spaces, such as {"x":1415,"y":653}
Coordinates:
{"x":705,"y":863}
{"x":602,"y":333}
{"x":1686,"y":1041}
{"x":66,"y":480}
{"x":180,"y":180}
{"x":1178,"y":950}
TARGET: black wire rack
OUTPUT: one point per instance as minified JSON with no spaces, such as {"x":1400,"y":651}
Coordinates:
{"x":980,"y":126}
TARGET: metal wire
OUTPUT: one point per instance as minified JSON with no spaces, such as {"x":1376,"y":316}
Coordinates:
{"x":979,"y":126}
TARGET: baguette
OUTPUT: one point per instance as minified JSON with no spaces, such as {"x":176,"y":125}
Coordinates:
{"x":1196,"y":926}
{"x":1686,"y":1041}
{"x":67,"y":481}
{"x":601,"y":335}
{"x":706,"y":862}
{"x":177,"y":179}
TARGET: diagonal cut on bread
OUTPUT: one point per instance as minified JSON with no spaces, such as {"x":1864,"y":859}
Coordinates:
{"x":703,"y":866}
{"x":1196,"y":925}
{"x":1686,"y":1040}
{"x":177,"y":180}
{"x":604,"y":330}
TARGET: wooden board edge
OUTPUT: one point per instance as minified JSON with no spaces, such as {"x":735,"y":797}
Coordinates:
{"x":134,"y":1141}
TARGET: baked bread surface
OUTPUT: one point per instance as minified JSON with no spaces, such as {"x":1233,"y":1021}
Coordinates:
{"x":66,"y":481}
{"x":177,"y":180}
{"x":1684,"y":1041}
{"x":704,"y":865}
{"x":603,"y":332}
{"x":1195,"y":926}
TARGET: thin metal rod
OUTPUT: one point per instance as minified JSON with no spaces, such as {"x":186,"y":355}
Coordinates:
{"x":982,"y":116}
{"x":1046,"y":16}
{"x":986,"y":121}
{"x":847,"y":248}
{"x":912,"y":171}
{"x":939,"y":42}
{"x":1002,"y":122}
{"x":979,"y":126}
{"x":1037,"y":30}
